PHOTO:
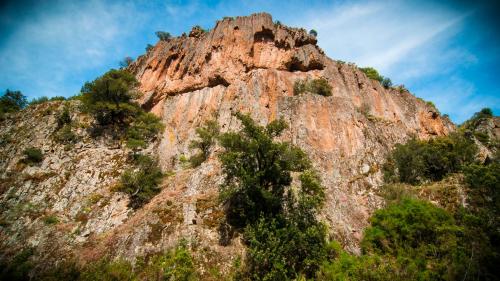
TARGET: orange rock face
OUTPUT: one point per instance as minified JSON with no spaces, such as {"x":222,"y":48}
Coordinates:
{"x":250,"y":64}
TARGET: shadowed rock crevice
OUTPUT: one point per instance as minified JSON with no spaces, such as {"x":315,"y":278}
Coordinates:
{"x":266,"y":35}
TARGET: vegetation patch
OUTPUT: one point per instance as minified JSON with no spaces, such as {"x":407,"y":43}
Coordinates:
{"x":373,"y":74}
{"x":318,"y":86}
{"x":207,"y":135}
{"x":142,"y":182}
{"x":32,"y":155}
{"x":279,"y":223}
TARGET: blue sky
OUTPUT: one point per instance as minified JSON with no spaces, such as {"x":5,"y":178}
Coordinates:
{"x":447,"y":52}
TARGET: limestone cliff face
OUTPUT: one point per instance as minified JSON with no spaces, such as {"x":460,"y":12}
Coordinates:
{"x":246,"y":64}
{"x":250,"y":64}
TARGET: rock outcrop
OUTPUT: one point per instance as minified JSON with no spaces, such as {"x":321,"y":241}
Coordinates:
{"x":247,"y":64}
{"x":250,"y":64}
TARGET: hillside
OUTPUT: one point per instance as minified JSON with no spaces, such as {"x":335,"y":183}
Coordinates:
{"x":67,"y":205}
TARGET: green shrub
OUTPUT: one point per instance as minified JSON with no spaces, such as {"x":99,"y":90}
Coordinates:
{"x":144,"y":128}
{"x":482,"y":137}
{"x":163,"y":36}
{"x":39,"y":100}
{"x":280,"y":249}
{"x":109,"y":98}
{"x":32,"y":155}
{"x":313,"y":33}
{"x":18,"y":268}
{"x":65,"y":135}
{"x":207,"y":135}
{"x":386,"y":82}
{"x":12,"y":101}
{"x":285,"y":239}
{"x":126,"y":62}
{"x":477,"y":118}
{"x":107,"y":270}
{"x":63,"y":118}
{"x":175,"y":264}
{"x":143,"y":182}
{"x":418,"y":161}
{"x":149,"y":47}
{"x":48,"y":220}
{"x":372,"y":73}
{"x":318,"y":86}
{"x":411,"y":240}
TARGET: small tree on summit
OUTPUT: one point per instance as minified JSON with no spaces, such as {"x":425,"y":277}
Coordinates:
{"x":12,"y":101}
{"x":313,"y":33}
{"x":163,"y":36}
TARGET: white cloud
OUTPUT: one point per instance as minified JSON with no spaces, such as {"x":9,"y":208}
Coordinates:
{"x":66,"y":39}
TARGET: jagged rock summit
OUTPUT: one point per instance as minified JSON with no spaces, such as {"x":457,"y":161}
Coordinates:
{"x":247,"y":64}
{"x":250,"y":64}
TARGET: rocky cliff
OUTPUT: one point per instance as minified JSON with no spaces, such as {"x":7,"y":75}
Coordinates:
{"x":247,"y":64}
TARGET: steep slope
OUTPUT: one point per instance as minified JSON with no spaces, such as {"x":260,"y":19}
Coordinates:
{"x":247,"y":64}
{"x":250,"y":64}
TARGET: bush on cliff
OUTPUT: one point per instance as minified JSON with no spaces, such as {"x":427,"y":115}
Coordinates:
{"x":318,"y":86}
{"x":12,"y":101}
{"x":285,"y":239}
{"x":418,"y":161}
{"x":163,"y":36}
{"x":142,"y":182}
{"x":110,"y":100}
{"x":372,"y":73}
{"x":409,"y":240}
{"x":32,"y":155}
{"x":207,"y":135}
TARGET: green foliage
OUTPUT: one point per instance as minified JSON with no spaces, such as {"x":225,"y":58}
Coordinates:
{"x":482,"y":219}
{"x":18,"y":268}
{"x":257,"y":170}
{"x":149,"y":47}
{"x":64,"y":132}
{"x":126,"y":62}
{"x":477,"y":118}
{"x":109,"y":98}
{"x":12,"y":101}
{"x":386,"y":82}
{"x":163,"y":36}
{"x":318,"y":86}
{"x":106,"y":270}
{"x":176,"y":264}
{"x":64,"y":118}
{"x":143,"y":129}
{"x":372,"y":73}
{"x":207,"y":135}
{"x":284,"y":238}
{"x":48,"y":220}
{"x":418,"y":161}
{"x":281,"y":249}
{"x":410,"y":240}
{"x":44,"y":99}
{"x":32,"y":155}
{"x":64,"y":270}
{"x":143,"y":182}
{"x":313,"y":33}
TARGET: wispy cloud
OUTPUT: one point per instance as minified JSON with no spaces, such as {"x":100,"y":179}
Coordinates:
{"x":52,"y":47}
{"x":68,"y":39}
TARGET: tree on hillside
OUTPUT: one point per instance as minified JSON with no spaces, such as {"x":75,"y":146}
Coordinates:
{"x":12,"y":101}
{"x":163,"y":36}
{"x":285,"y":239}
{"x":109,"y":98}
